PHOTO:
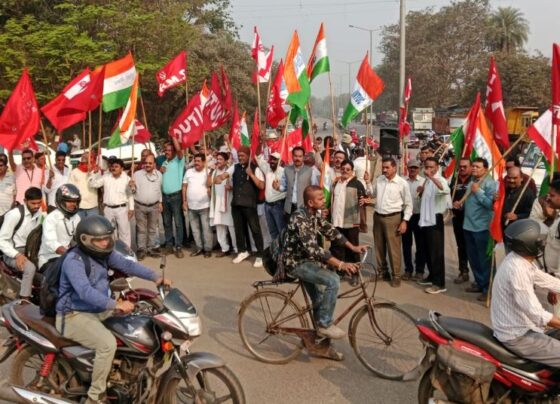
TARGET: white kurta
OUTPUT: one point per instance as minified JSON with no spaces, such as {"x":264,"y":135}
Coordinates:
{"x":220,"y":202}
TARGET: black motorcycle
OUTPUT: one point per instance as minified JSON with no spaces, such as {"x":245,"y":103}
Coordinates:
{"x":153,"y":362}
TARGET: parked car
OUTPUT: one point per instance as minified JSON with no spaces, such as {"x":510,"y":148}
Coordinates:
{"x":123,"y":152}
{"x":42,"y":147}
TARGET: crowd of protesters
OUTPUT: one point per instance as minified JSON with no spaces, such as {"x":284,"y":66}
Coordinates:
{"x":226,"y":202}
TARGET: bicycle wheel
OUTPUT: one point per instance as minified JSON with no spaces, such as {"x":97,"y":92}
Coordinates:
{"x":388,"y":344}
{"x":261,"y":320}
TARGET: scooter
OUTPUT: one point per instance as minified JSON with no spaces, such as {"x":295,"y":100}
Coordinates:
{"x":465,"y":363}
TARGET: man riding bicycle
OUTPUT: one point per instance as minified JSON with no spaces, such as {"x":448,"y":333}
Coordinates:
{"x":306,"y":259}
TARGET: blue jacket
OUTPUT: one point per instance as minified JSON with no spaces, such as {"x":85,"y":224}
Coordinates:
{"x":479,"y":208}
{"x":79,"y":293}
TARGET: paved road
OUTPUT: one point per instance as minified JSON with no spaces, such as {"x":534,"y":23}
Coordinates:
{"x":217,"y":287}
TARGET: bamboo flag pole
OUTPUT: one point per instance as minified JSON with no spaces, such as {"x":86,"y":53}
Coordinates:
{"x":258,"y":94}
{"x":99,"y":132}
{"x":89,"y":138}
{"x":525,"y":186}
{"x":47,"y":150}
{"x":83,"y":133}
{"x":553,"y":139}
{"x":332,"y":107}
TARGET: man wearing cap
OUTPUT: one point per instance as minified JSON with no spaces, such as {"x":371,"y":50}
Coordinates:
{"x":345,"y":145}
{"x":274,"y":200}
{"x":415,"y":183}
{"x":118,"y":201}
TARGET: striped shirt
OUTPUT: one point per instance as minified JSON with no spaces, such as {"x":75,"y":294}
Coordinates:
{"x":515,"y":307}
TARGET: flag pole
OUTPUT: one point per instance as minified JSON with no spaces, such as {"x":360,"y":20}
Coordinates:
{"x":553,"y":152}
{"x":83,"y":133}
{"x":89,"y":137}
{"x":99,"y":132}
{"x":310,"y":121}
{"x":258,"y":95}
{"x":47,"y":151}
{"x":332,"y":107}
{"x":186,"y":149}
{"x":525,"y":186}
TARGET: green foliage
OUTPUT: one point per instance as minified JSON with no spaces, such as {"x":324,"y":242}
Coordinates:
{"x":508,"y":30}
{"x":58,"y":39}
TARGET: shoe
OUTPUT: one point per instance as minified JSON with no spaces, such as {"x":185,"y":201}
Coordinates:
{"x":425,"y":282}
{"x":434,"y":290}
{"x":473,"y":289}
{"x":332,"y":332}
{"x":482,"y":297}
{"x":167,"y":250}
{"x":418,"y":277}
{"x":258,"y":263}
{"x":197,"y":252}
{"x":140,"y":255}
{"x":207,"y":254}
{"x":386,"y":276}
{"x":222,"y":254}
{"x":179,"y":252}
{"x":155,"y":252}
{"x":240,"y":257}
{"x":407,"y":276}
{"x":462,"y":278}
{"x":396,"y":282}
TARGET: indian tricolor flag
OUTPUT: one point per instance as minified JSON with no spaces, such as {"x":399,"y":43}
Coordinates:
{"x":126,"y":127}
{"x":119,"y":78}
{"x":295,"y":75}
{"x":319,"y":61}
{"x":244,"y":131}
{"x":367,"y":88}
{"x":484,"y":144}
{"x":326,"y":180}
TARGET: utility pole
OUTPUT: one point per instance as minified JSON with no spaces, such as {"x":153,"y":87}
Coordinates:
{"x":402,"y":52}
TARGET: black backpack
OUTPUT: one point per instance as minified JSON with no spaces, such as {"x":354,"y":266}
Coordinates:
{"x":273,"y":260}
{"x":21,"y":209}
{"x":48,"y":295}
{"x":33,"y":245}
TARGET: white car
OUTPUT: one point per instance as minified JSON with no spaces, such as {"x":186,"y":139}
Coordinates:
{"x":530,"y":158}
{"x":42,"y":147}
{"x":123,"y":152}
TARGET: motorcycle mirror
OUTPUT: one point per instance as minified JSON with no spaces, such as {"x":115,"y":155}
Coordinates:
{"x":118,"y":285}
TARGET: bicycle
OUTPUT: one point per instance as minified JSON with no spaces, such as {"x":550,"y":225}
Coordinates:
{"x":274,"y":328}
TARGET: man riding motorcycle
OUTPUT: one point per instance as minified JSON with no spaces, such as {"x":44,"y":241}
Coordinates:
{"x":518,"y":318}
{"x":60,"y":225}
{"x":84,"y":301}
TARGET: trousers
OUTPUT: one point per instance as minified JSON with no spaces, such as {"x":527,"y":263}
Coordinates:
{"x":477,"y":244}
{"x":173,"y":216}
{"x":385,"y":238}
{"x":147,"y":235}
{"x":29,"y":270}
{"x":458,"y":219}
{"x":537,"y":347}
{"x":119,"y":216}
{"x":434,"y":238}
{"x":242,"y":217}
{"x":222,"y":236}
{"x":88,"y":330}
{"x":414,"y":232}
{"x":200,"y":225}
{"x":322,"y":286}
{"x":275,"y":217}
{"x":352,"y":234}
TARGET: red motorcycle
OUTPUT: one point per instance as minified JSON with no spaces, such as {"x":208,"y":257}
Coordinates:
{"x":465,"y":363}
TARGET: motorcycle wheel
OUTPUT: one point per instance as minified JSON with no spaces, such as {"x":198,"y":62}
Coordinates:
{"x":214,"y":385}
{"x":25,"y":369}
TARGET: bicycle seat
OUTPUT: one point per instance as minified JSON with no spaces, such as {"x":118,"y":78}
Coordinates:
{"x":483,"y":337}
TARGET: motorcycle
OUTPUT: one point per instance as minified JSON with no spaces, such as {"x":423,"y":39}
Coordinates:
{"x":153,"y":362}
{"x":464,"y":363}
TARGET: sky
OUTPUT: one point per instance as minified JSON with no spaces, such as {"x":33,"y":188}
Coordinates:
{"x":277,"y":19}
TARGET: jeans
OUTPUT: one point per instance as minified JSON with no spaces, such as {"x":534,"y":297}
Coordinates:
{"x":83,"y":213}
{"x":173,"y":212}
{"x":477,"y":244}
{"x":275,"y":217}
{"x":200,"y":225}
{"x":322,"y":286}
{"x":413,"y":230}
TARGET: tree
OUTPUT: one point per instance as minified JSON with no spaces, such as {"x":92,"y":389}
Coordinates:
{"x":508,"y":30}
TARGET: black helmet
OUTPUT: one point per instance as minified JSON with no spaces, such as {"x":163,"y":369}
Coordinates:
{"x":91,"y":228}
{"x":526,"y":237}
{"x":67,"y":193}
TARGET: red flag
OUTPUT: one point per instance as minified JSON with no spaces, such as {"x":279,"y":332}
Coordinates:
{"x":90,"y":96}
{"x":142,"y":135}
{"x":471,"y":125}
{"x":188,"y":128}
{"x":215,"y":112}
{"x":235,"y":131}
{"x":408,"y":91}
{"x":228,"y":98}
{"x":54,"y":107}
{"x":556,"y":84}
{"x":20,"y":118}
{"x":292,"y":140}
{"x":173,"y":73}
{"x":255,"y":135}
{"x":404,"y":126}
{"x":262,"y":59}
{"x":495,"y":106}
{"x":275,"y":111}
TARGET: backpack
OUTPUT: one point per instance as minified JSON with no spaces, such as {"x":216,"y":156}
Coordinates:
{"x":273,"y":261}
{"x":33,"y":244}
{"x":48,"y":295}
{"x":21,"y":209}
